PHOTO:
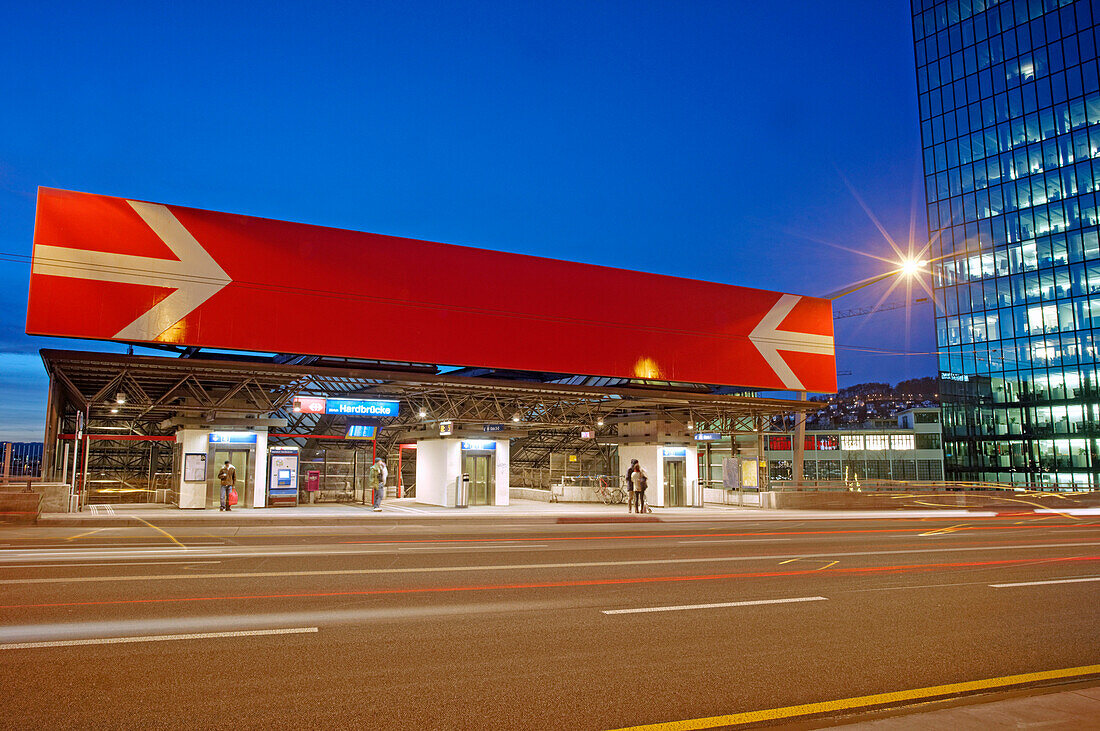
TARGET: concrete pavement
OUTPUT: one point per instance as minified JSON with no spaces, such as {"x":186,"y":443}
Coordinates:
{"x":529,"y":624}
{"x":407,"y":509}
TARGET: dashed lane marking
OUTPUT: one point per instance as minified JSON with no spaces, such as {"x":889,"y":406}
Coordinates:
{"x":684,"y":607}
{"x":1041,"y":583}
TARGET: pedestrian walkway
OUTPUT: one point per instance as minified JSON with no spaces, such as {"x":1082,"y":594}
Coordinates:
{"x":1068,"y":709}
{"x":402,"y":510}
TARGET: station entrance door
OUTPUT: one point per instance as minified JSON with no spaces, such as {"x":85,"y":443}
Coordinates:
{"x":675,"y":490}
{"x":243,"y":461}
{"x":480,"y":466}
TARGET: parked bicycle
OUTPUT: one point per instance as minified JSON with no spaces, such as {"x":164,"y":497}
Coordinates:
{"x":606,"y":492}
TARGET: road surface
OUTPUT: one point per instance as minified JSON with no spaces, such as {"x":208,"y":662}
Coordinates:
{"x":526,"y":625}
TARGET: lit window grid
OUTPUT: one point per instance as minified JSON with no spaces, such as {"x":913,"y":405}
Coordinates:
{"x":1009,"y":109}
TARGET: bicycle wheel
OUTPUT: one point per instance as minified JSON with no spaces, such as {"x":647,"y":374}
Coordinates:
{"x":606,"y":496}
{"x":618,"y":495}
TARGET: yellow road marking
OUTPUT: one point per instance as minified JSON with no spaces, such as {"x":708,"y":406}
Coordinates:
{"x":162,"y":532}
{"x":832,"y":563}
{"x":865,"y":701}
{"x":941,"y":531}
{"x":81,"y":535}
{"x":789,"y":560}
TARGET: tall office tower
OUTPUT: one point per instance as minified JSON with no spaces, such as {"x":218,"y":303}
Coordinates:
{"x":1009,"y":98}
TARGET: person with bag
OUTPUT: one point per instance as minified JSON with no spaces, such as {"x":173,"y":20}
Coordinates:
{"x":641,"y":481}
{"x":228,"y":477}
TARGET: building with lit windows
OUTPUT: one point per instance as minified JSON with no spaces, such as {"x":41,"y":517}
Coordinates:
{"x":908,"y":448}
{"x":1009,"y":98}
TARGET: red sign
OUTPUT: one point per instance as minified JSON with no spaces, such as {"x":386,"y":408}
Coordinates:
{"x":117,"y":269}
{"x":309,"y":405}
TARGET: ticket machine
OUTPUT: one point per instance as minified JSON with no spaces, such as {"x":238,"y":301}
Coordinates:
{"x":282,"y":476}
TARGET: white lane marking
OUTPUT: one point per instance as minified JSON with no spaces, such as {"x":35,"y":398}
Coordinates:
{"x":467,"y":549}
{"x":515,"y":567}
{"x":684,"y":607}
{"x":736,"y":540}
{"x":1041,"y":583}
{"x":109,"y":563}
{"x":158,"y":638}
{"x":405,"y":509}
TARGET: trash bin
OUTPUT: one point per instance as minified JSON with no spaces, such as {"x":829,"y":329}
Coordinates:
{"x":462,"y":491}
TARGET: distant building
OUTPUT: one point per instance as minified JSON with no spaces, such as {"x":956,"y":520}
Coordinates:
{"x":905,"y":448}
{"x":1009,"y":99}
{"x":21,"y":459}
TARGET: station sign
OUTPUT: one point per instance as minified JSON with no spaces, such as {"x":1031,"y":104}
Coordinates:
{"x":674,"y":451}
{"x":446,"y":428}
{"x":308,"y":404}
{"x":707,"y":436}
{"x":493,"y":427}
{"x":588,"y":434}
{"x":476,"y":444}
{"x":138,"y":272}
{"x":233,"y":437}
{"x":359,"y":407}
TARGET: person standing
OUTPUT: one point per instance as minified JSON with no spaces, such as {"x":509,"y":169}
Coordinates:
{"x":630,"y":486}
{"x":228,"y":477}
{"x":378,"y":475}
{"x":640,"y":480}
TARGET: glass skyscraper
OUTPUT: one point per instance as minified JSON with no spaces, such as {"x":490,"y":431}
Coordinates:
{"x":1009,"y":97}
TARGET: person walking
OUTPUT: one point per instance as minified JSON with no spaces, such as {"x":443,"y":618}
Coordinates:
{"x":630,"y":486}
{"x":640,"y":480}
{"x":228,"y":477}
{"x":378,"y":475}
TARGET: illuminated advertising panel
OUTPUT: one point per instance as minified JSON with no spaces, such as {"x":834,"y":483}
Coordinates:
{"x":133,"y":271}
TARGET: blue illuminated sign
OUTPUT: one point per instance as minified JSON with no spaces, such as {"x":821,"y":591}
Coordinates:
{"x":674,"y":451}
{"x":707,"y":436}
{"x":361,"y":431}
{"x":232,"y":437}
{"x":479,"y":444}
{"x":359,"y":407}
{"x":493,"y":427}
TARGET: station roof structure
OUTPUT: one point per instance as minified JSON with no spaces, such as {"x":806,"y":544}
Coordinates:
{"x":159,"y":393}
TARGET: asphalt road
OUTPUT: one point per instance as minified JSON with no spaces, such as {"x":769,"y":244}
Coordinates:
{"x":528,"y":625}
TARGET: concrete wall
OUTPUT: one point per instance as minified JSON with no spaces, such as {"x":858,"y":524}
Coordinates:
{"x":503,"y":472}
{"x":652,"y":461}
{"x":438,"y":464}
{"x":192,"y":494}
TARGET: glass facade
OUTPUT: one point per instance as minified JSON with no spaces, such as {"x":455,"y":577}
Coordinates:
{"x":1009,"y":98}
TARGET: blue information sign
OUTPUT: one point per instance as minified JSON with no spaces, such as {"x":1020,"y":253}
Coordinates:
{"x":707,"y":436}
{"x":674,"y":451}
{"x":360,"y":407}
{"x":479,"y":444}
{"x":232,"y":437}
{"x":493,"y":427}
{"x":361,"y":431}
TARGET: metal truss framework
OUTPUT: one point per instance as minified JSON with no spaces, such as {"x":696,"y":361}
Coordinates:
{"x":540,"y":418}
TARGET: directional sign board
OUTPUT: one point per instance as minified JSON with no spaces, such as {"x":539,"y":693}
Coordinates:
{"x":127,"y":270}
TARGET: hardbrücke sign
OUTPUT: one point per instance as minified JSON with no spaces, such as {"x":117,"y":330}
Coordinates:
{"x":127,"y":270}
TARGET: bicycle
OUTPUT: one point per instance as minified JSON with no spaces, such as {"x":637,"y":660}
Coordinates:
{"x":609,"y":495}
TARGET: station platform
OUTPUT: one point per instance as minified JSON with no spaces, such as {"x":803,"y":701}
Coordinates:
{"x":407,"y":510}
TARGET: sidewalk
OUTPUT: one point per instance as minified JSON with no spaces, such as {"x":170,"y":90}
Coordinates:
{"x":407,"y":510}
{"x":1070,"y":709}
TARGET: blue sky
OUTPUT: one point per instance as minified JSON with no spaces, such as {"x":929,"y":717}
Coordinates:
{"x":702,"y":139}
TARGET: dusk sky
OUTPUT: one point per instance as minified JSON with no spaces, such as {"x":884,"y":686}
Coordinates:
{"x":713,"y":140}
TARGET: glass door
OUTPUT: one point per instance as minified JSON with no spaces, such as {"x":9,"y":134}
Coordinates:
{"x":675,"y":492}
{"x":480,"y":468}
{"x":239,"y":458}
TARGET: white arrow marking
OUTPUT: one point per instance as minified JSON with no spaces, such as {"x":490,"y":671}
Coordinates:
{"x":769,"y":340}
{"x":194,"y":275}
